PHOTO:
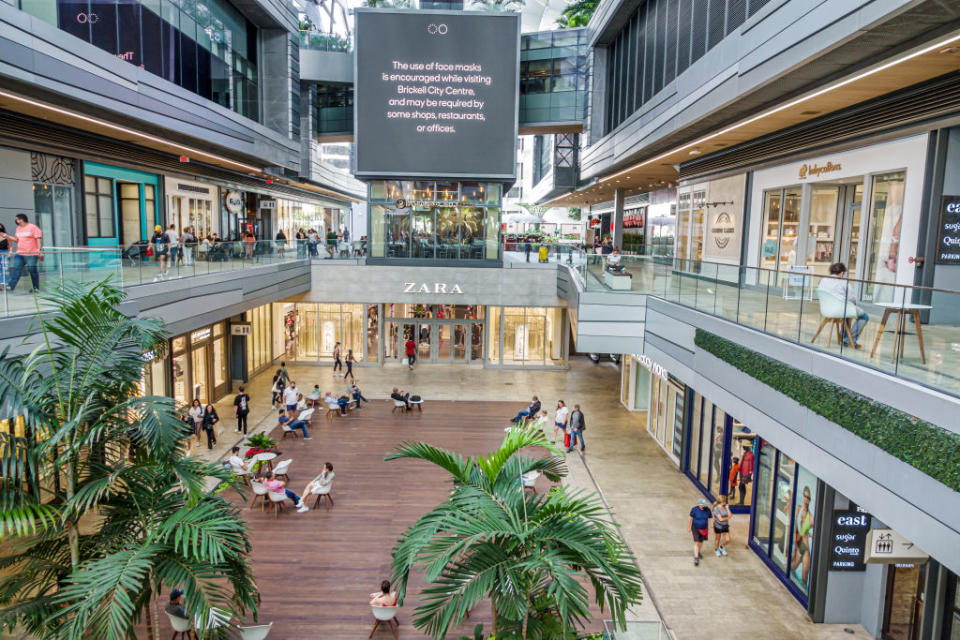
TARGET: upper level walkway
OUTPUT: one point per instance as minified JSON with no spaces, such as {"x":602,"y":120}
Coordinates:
{"x":911,"y":332}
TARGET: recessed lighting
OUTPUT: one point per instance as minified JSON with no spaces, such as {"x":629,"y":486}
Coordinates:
{"x":695,"y":151}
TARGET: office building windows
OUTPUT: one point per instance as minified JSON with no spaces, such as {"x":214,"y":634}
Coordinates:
{"x":206,"y":46}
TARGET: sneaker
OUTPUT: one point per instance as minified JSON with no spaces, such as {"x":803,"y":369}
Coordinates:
{"x":303,"y":509}
{"x":307,"y":438}
{"x":718,"y":553}
{"x":723,"y":550}
{"x":696,"y":560}
{"x":300,"y":504}
{"x":236,"y":430}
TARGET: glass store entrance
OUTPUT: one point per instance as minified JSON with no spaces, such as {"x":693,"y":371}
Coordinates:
{"x":443,"y":333}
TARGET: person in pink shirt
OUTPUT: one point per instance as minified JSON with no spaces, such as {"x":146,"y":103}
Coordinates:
{"x":274,"y":485}
{"x":29,"y":239}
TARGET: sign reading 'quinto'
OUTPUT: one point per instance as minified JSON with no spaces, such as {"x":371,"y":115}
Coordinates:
{"x":948,"y":242}
{"x":848,"y":537}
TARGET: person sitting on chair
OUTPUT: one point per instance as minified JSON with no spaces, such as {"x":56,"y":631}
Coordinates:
{"x":344,"y":403}
{"x":400,"y":396}
{"x":529,"y":411}
{"x":384,"y":597}
{"x":355,"y":393}
{"x":175,"y":606}
{"x":236,"y":461}
{"x":613,"y":262}
{"x":279,"y":486}
{"x":329,"y":399}
{"x":293,"y":425}
{"x":320,"y":484}
{"x":839,"y":287}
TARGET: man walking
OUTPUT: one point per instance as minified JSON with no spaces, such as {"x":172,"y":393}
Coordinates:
{"x":242,"y":403}
{"x":173,"y":239}
{"x":337,"y":361}
{"x":411,"y":350}
{"x":29,"y":239}
{"x":577,"y":425}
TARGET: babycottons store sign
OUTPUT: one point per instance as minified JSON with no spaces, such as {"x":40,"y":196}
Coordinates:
{"x":948,"y":242}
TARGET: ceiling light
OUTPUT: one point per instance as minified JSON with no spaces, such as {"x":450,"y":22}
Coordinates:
{"x":695,"y":151}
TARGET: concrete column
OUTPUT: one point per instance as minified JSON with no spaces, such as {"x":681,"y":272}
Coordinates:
{"x":617,"y":219}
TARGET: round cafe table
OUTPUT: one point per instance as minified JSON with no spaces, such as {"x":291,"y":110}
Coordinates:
{"x":264,"y":457}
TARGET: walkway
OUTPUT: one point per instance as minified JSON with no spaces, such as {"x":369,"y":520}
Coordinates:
{"x":649,"y":497}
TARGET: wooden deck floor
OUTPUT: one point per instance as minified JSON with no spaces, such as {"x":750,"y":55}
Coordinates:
{"x":315,"y":569}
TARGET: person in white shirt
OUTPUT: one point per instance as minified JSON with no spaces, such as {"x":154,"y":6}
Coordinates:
{"x":174,"y":239}
{"x":560,"y":420}
{"x":837,"y":285}
{"x":236,"y":461}
{"x":290,"y":397}
{"x":613,"y":261}
{"x":321,"y":484}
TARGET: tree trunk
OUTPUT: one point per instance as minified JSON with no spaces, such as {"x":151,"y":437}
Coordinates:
{"x":73,"y":537}
{"x":151,"y":634}
{"x":493,"y":612}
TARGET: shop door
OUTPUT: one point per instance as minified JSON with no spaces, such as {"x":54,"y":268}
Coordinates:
{"x":201,"y":384}
{"x":903,"y":607}
{"x":825,"y":218}
{"x":421,"y":334}
{"x":852,"y":198}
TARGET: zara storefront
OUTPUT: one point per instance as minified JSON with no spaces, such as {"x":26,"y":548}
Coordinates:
{"x":859,"y":206}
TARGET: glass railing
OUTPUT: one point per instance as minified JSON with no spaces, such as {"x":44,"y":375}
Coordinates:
{"x":911,"y":332}
{"x":517,"y":254}
{"x":317,"y":41}
{"x":139,"y":264}
{"x":636,"y":630}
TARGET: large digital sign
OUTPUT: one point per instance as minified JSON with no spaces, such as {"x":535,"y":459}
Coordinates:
{"x":436,"y":94}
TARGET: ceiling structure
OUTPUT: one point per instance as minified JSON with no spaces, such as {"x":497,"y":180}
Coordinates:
{"x":660,"y":170}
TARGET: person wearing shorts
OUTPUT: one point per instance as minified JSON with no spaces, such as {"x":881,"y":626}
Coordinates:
{"x":698,"y":525}
{"x":721,"y":526}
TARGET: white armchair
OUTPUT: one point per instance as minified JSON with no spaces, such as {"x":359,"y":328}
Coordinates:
{"x":835,"y":311}
{"x":386,"y":616}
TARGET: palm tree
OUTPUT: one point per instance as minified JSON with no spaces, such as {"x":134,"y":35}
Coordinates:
{"x":577,"y":14}
{"x":530,"y":554}
{"x":102,"y":508}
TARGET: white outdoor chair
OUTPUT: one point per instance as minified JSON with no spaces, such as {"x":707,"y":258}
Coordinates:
{"x":333,"y":410}
{"x":306,"y":415}
{"x":399,"y":405}
{"x":385,"y":616}
{"x":259,"y":493}
{"x":835,"y":312}
{"x":246,"y":474}
{"x":181,"y":627}
{"x":324,"y":496}
{"x":287,"y":431}
{"x":258,"y":632}
{"x":281,"y":469}
{"x":529,"y":480}
{"x":277,"y":501}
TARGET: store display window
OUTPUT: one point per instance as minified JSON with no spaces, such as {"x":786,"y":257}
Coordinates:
{"x":527,"y":336}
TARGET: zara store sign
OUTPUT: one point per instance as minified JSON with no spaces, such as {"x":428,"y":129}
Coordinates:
{"x":441,"y":288}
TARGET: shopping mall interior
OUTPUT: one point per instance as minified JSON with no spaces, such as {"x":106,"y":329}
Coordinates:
{"x":307,"y":306}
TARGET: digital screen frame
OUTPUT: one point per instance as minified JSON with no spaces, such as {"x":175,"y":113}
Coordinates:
{"x":443,"y":104}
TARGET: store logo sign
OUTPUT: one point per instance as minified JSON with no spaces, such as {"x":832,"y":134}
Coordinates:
{"x":441,"y":288}
{"x":723,"y":230}
{"x":815,"y":170}
{"x":233,"y":201}
{"x":651,"y":366}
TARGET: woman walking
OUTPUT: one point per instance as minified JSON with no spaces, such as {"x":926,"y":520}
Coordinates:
{"x":350,"y":360}
{"x":277,"y":388}
{"x":196,"y":413}
{"x":281,"y":239}
{"x":337,"y":361}
{"x":210,"y":420}
{"x":721,"y":526}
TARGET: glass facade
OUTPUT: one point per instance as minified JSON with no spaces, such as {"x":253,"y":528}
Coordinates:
{"x":666,"y":414}
{"x":334,"y":109}
{"x":659,"y":41}
{"x":526,"y":336}
{"x":554,"y":74}
{"x":259,"y":341}
{"x":205,"y":46}
{"x":430,"y":220}
{"x":442,"y":333}
{"x":200,"y":365}
{"x":312,"y":330}
{"x":784,"y":525}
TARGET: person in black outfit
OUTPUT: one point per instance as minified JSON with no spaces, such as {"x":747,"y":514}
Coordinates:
{"x":242,"y":403}
{"x":527,"y":246}
{"x":402,"y":397}
{"x":530,"y":411}
{"x":210,"y":419}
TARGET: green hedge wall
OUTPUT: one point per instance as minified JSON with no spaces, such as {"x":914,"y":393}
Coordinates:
{"x":924,"y":446}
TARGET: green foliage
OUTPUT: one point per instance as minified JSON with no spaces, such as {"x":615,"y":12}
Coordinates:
{"x":574,"y":213}
{"x":577,"y":14}
{"x":530,"y":554}
{"x":924,"y":446}
{"x":261,"y":441}
{"x":94,"y":452}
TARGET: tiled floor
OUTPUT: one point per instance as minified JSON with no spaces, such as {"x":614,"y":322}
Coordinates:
{"x":650,"y":498}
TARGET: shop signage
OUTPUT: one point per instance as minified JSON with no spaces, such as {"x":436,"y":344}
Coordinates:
{"x":233,"y":200}
{"x":948,"y":243}
{"x":816,"y":170}
{"x":268,"y":204}
{"x":191,"y":188}
{"x":723,"y":230}
{"x":401,"y":203}
{"x":239,"y":329}
{"x":200,"y":334}
{"x":886,"y":546}
{"x":651,"y":366}
{"x":436,"y":287}
{"x":848,"y":538}
{"x":633,"y":220}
